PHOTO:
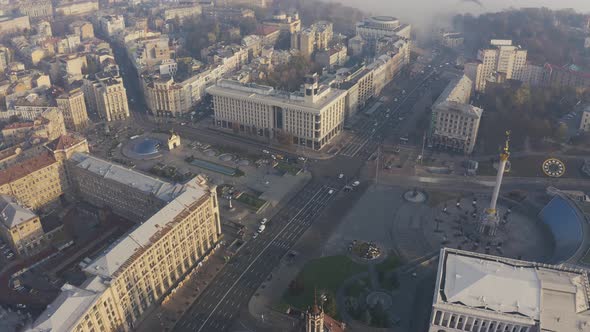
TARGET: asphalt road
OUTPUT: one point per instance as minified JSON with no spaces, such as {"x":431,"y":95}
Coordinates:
{"x":217,"y":307}
{"x":236,"y":283}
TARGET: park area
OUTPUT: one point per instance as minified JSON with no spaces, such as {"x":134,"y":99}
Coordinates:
{"x":324,"y":276}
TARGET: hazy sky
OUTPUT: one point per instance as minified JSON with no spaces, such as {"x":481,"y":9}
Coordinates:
{"x":401,"y":7}
{"x":423,"y":13}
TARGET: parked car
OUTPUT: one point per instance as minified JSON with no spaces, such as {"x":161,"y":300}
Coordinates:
{"x":355,"y":183}
{"x":265,"y":151}
{"x":263,"y":221}
{"x":331,"y":192}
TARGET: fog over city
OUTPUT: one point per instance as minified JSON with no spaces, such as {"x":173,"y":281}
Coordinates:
{"x":421,"y":12}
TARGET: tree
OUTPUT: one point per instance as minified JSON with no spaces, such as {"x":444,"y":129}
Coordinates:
{"x":248,"y":26}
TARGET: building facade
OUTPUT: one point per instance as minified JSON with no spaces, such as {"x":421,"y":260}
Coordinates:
{"x":106,"y":95}
{"x":376,"y":27}
{"x":36,"y":8}
{"x":309,"y":119}
{"x":317,"y":37}
{"x":455,"y":123}
{"x":531,"y":296}
{"x":503,"y":59}
{"x":73,"y":108}
{"x":140,"y":269}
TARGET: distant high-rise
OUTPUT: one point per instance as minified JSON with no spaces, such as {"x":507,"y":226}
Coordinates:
{"x":502,"y":60}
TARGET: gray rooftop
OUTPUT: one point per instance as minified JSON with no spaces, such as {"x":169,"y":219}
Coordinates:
{"x":163,"y":190}
{"x":13,"y":214}
{"x":143,"y":235}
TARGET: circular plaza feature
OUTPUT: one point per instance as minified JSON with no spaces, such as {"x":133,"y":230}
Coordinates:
{"x":553,"y":167}
{"x":226,"y":157}
{"x":146,"y":146}
{"x":415,"y":196}
{"x":365,"y":250}
{"x":143,"y":148}
{"x":381,"y":298}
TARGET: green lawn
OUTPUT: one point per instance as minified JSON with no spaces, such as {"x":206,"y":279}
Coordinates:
{"x":358,"y":287}
{"x":325,"y":274}
{"x":390,"y":263}
{"x":252,"y":201}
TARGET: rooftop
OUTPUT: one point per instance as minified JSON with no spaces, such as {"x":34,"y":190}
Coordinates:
{"x":147,"y":233}
{"x":262,"y":92}
{"x":25,"y":168}
{"x":163,"y":190}
{"x":13,"y":214}
{"x":555,"y":296}
{"x":69,"y":305}
{"x":64,"y":142}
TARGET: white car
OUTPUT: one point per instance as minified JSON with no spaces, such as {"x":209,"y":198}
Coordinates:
{"x":263,"y":221}
{"x":331,"y":192}
{"x":255,"y":235}
{"x":261,"y":228}
{"x":301,"y":158}
{"x":340,"y":176}
{"x":355,"y":183}
{"x":265,"y":151}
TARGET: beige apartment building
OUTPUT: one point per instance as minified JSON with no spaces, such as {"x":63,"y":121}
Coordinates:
{"x":478,"y":292}
{"x":288,"y":23}
{"x":502,"y":61}
{"x":311,"y":118}
{"x":455,"y":122}
{"x":36,"y":8}
{"x":36,"y":182}
{"x":317,"y":37}
{"x":360,"y":87}
{"x":106,"y":94}
{"x":585,"y":120}
{"x":20,"y":228}
{"x":138,"y":270}
{"x":71,"y":8}
{"x":181,"y":12}
{"x":12,"y":25}
{"x":84,"y":29}
{"x":73,"y":108}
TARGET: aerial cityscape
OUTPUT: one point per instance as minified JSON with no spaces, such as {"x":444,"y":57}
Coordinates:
{"x":294,"y":165}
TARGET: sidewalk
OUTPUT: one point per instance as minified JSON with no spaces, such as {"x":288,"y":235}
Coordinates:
{"x":165,"y":316}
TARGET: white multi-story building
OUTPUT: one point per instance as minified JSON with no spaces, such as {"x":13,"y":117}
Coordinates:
{"x":502,"y":61}
{"x":585,"y":120}
{"x":477,"y":292}
{"x":455,"y":122}
{"x":110,"y":25}
{"x":309,"y":119}
{"x":375,"y":27}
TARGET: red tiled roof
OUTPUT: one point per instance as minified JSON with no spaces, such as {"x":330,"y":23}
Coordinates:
{"x":18,"y":125}
{"x":28,"y":166}
{"x":333,"y":325}
{"x":265,"y":30}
